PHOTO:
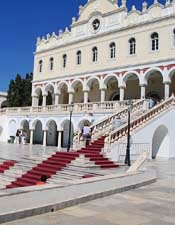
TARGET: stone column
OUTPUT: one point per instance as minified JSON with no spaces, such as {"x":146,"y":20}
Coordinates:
{"x":44,"y":138}
{"x":59,"y":139}
{"x":31,"y":137}
{"x":166,"y":90}
{"x":86,"y":97}
{"x":53,"y":99}
{"x":122,"y":93}
{"x":44,"y":100}
{"x":143,"y":91}
{"x":35,"y":101}
{"x":103,"y":95}
{"x":71,"y":96}
{"x":57,"y":99}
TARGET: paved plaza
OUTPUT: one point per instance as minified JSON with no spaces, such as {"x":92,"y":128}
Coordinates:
{"x":149,"y":205}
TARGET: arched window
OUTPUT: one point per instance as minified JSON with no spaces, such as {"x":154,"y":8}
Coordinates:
{"x":79,"y":57}
{"x":51,"y":63}
{"x":64,"y":60}
{"x":174,"y":37}
{"x":94,"y":54}
{"x":154,"y":41}
{"x":132,"y":46}
{"x":40,"y":66}
{"x":112,"y":50}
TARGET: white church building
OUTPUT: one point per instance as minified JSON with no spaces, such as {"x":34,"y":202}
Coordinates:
{"x":108,"y":56}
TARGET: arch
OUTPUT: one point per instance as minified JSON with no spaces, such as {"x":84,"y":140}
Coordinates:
{"x":151,"y":71}
{"x":62,"y":89}
{"x":171,"y":76}
{"x":49,"y":91}
{"x":93,"y":85}
{"x":52,"y":134}
{"x":111,"y":83}
{"x":38,"y":91}
{"x":12,"y":128}
{"x":33,"y":123}
{"x":65,"y":127}
{"x":77,"y":89}
{"x":160,"y":142}
{"x":60,"y":85}
{"x":155,"y":86}
{"x":82,"y":123}
{"x":130,"y":75}
{"x":38,"y":132}
{"x":132,"y":82}
{"x":109,"y":76}
{"x":24,"y":125}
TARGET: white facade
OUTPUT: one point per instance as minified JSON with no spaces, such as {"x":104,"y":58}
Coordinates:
{"x":110,"y":55}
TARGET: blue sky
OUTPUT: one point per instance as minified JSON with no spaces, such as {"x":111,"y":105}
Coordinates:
{"x":21,"y":22}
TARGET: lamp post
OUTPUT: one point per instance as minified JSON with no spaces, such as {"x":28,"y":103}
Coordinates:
{"x":127,"y":158}
{"x":70,"y":126}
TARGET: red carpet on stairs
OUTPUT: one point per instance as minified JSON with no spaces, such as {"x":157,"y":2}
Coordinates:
{"x":60,"y":160}
{"x":6,"y":165}
{"x":93,"y":152}
{"x":49,"y":167}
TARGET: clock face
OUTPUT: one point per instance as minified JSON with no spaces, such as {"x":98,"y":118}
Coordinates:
{"x":96,"y":24}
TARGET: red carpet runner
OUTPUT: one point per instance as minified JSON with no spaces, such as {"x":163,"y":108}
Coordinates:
{"x":6,"y":166}
{"x":60,"y":160}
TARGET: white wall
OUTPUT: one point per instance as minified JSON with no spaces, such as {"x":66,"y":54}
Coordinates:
{"x":164,"y":143}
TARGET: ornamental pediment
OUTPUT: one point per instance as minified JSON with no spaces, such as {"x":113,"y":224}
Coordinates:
{"x":101,"y":6}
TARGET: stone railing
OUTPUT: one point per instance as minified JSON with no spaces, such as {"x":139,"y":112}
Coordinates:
{"x":89,"y":107}
{"x":139,"y":122}
{"x":105,"y":126}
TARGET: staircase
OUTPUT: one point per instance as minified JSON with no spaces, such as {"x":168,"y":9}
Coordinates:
{"x":139,"y":122}
{"x":104,"y":126}
{"x":6,"y":165}
{"x":93,"y":152}
{"x":59,"y":161}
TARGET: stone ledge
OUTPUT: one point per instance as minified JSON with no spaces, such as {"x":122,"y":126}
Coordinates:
{"x":67,"y":195}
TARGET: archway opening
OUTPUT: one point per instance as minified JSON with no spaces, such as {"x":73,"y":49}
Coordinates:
{"x":38,"y":133}
{"x":132,"y":90}
{"x":52,"y":134}
{"x":155,"y":87}
{"x":64,"y":95}
{"x":78,"y":93}
{"x":83,"y":123}
{"x":50,"y":95}
{"x":12,"y":128}
{"x":38,"y":93}
{"x":66,"y":134}
{"x":160,"y":142}
{"x":26,"y":130}
{"x":172,"y":85}
{"x":94,"y":91}
{"x":112,"y":91}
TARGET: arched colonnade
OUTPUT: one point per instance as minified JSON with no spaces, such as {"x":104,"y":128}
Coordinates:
{"x":156,"y":82}
{"x":50,"y":132}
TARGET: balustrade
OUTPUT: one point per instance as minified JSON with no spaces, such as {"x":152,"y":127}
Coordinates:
{"x":108,"y":106}
{"x":138,"y":122}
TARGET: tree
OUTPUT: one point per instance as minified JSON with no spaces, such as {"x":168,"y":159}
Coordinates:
{"x":19,"y":93}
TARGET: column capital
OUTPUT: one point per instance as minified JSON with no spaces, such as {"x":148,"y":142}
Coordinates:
{"x":167,"y":82}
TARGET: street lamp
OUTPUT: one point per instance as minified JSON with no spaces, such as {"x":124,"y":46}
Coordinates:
{"x":70,"y":126}
{"x":127,"y":158}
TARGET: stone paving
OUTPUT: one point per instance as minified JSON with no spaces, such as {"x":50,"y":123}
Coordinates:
{"x":149,"y":205}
